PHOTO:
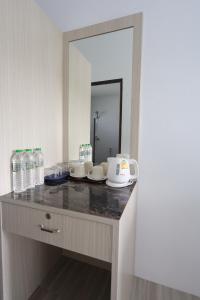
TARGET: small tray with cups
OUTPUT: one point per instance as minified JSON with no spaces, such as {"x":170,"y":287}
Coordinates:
{"x":56,"y":175}
{"x":78,"y":171}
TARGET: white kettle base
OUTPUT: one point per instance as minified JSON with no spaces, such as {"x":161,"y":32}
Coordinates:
{"x":118,"y":185}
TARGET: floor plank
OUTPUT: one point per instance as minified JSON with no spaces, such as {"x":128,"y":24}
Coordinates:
{"x":74,"y":280}
{"x":146,"y":290}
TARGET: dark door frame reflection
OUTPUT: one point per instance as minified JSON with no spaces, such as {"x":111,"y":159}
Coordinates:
{"x":103,"y":82}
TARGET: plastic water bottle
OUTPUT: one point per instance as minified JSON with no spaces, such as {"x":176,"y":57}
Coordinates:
{"x":30,"y":168}
{"x":39,"y":166}
{"x":81,"y":152}
{"x":18,"y":171}
{"x":86,"y":152}
{"x":89,"y":152}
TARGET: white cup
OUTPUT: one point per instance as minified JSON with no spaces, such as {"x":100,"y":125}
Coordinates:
{"x":77,"y":169}
{"x":97,"y":173}
{"x":88,"y":166}
{"x":105,"y":167}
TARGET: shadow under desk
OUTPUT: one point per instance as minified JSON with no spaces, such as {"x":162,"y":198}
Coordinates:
{"x":89,"y":222}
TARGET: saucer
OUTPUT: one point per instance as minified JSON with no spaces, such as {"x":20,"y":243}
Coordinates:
{"x":94,"y":179}
{"x":78,"y":177}
{"x":118,"y":185}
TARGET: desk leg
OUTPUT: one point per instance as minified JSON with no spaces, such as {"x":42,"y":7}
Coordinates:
{"x":123,"y":253}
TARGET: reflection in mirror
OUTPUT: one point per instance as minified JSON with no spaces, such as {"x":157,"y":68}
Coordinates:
{"x":106,"y":109}
{"x":100,"y":82}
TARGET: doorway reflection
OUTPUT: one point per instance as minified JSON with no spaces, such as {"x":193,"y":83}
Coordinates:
{"x":106,"y":116}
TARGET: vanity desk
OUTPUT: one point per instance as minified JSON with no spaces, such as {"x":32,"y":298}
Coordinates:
{"x":90,"y":219}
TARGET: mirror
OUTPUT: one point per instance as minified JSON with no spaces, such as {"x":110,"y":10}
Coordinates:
{"x":100,"y":94}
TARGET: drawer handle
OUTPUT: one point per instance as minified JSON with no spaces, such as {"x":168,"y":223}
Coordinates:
{"x":50,"y":230}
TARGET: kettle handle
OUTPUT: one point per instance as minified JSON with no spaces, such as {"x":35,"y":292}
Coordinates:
{"x":136,"y":167}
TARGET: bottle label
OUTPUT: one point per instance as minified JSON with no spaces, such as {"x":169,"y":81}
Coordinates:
{"x":16,"y":167}
{"x":30,"y":165}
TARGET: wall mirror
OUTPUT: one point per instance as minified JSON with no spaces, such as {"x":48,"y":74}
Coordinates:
{"x":101,"y":99}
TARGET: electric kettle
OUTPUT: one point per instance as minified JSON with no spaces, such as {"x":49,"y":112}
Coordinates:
{"x":121,"y":171}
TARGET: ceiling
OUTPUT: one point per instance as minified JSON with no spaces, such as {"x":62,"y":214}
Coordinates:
{"x":72,"y":14}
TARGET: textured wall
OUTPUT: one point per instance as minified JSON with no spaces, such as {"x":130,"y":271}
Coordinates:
{"x":30,"y":84}
{"x":168,"y":222}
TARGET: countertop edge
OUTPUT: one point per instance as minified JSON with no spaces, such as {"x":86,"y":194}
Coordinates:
{"x":61,"y":211}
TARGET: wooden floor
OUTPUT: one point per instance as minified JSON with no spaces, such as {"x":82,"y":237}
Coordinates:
{"x":146,"y":290}
{"x":74,"y":280}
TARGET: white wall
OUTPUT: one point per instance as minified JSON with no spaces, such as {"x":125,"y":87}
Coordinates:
{"x":30,"y":84}
{"x":110,"y":56}
{"x":168,"y":218}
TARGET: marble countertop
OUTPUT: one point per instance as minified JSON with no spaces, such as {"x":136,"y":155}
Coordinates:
{"x":88,"y":198}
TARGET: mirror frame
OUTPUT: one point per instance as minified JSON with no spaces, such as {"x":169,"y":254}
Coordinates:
{"x":134,"y":21}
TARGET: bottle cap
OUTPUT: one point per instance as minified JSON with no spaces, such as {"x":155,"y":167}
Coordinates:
{"x":28,"y":150}
{"x":19,"y":150}
{"x":37,"y":149}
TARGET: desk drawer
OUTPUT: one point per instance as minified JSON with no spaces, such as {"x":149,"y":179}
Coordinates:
{"x":83,"y":236}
